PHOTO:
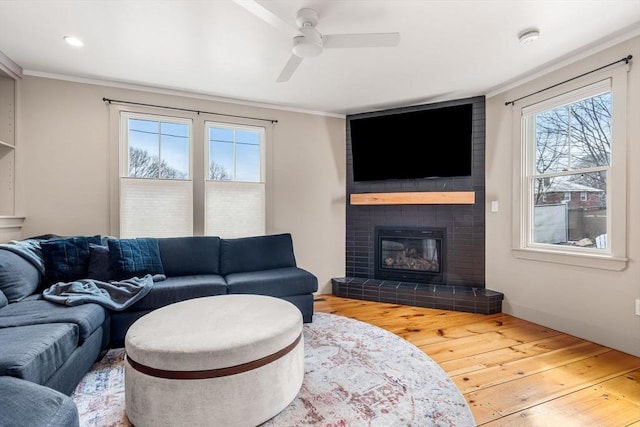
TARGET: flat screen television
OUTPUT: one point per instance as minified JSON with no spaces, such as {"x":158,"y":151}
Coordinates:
{"x":429,"y":143}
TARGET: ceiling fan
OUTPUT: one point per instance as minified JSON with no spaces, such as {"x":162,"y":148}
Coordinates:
{"x":308,"y":41}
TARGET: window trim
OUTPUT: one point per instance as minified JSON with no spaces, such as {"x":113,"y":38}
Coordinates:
{"x":614,"y":258}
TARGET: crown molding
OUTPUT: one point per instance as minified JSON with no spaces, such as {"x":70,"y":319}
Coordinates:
{"x":175,"y":92}
{"x":10,"y":67}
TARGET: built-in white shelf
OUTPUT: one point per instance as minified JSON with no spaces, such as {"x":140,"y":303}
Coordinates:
{"x":10,"y":227}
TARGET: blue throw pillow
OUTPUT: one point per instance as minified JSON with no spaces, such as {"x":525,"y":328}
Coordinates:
{"x":134,"y":258}
{"x":67,"y":259}
{"x":99,"y":263}
{"x":18,"y":277}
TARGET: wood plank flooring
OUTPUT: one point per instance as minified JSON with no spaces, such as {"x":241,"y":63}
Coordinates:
{"x":513,"y":372}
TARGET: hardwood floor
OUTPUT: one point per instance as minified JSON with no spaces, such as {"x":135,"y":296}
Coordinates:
{"x":513,"y":372}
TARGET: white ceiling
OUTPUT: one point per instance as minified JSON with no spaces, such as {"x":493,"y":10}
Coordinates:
{"x":448,"y":49}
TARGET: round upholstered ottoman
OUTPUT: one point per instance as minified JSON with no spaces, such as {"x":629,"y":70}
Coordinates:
{"x":228,"y":360}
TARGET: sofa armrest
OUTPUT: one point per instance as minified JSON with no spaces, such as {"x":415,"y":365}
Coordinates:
{"x":28,"y":404}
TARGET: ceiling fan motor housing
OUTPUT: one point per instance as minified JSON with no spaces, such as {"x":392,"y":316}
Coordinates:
{"x":307,"y":18}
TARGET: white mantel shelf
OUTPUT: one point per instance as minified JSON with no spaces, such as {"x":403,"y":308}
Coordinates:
{"x":415,"y":198}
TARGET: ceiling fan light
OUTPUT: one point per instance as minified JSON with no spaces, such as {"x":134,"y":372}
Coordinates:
{"x":307,"y":45}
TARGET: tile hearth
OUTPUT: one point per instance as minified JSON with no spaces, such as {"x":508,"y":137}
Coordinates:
{"x":444,"y":297}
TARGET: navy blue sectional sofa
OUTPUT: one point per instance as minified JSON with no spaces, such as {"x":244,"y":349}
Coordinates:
{"x":54,"y":345}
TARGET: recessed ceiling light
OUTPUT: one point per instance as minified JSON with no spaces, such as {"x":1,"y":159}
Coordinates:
{"x":73,"y":41}
{"x":528,"y":36}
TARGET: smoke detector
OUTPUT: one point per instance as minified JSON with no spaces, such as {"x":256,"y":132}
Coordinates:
{"x":529,"y":36}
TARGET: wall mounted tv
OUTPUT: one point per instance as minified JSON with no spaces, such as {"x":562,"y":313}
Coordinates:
{"x":428,"y":143}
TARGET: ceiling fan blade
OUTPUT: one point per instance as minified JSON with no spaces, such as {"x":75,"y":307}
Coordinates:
{"x":289,"y":68}
{"x":267,"y":16}
{"x":331,"y":41}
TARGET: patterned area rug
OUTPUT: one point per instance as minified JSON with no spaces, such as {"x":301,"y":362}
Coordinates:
{"x":356,"y":374}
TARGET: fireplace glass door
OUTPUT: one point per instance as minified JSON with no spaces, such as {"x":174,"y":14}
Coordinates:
{"x":408,"y":254}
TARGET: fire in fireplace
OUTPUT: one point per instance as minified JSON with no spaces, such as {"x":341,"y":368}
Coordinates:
{"x":410,"y":254}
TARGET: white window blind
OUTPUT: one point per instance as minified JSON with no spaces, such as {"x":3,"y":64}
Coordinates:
{"x":234,"y":209}
{"x":155,"y":208}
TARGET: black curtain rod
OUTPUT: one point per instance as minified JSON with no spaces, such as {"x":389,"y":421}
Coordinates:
{"x":186,"y":109}
{"x":626,"y":60}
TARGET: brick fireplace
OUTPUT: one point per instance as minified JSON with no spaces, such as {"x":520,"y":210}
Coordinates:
{"x":459,"y":282}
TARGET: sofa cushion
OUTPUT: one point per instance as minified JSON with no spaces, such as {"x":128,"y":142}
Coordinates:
{"x":24,"y":403}
{"x":276,"y":283}
{"x":256,"y":253}
{"x":18,"y":277}
{"x":99,"y":263}
{"x":35,"y":352}
{"x":181,"y":288}
{"x":87,"y":317}
{"x":66,"y":259}
{"x":186,"y":256}
{"x":134,"y":258}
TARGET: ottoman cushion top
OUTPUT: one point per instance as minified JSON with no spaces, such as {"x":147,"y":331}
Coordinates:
{"x":213,"y":332}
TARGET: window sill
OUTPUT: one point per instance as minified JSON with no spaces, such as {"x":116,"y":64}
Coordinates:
{"x":603,"y":262}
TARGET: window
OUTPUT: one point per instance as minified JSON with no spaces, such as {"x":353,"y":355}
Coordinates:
{"x":570,"y":143}
{"x":574,"y":142}
{"x":157,"y":149}
{"x":234,"y":187}
{"x":155,"y":176}
{"x":182,"y":175}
